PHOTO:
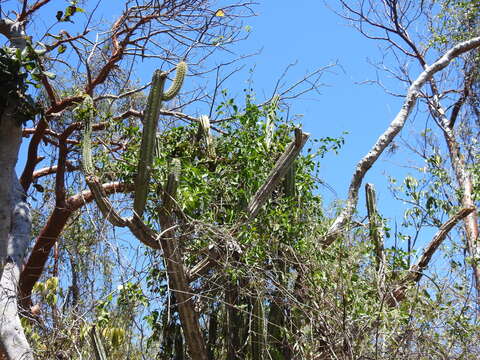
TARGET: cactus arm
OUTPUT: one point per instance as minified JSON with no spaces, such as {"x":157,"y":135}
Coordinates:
{"x":177,"y":81}
{"x":205,"y":125}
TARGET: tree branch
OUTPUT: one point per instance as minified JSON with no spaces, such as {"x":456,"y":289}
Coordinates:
{"x":49,"y":234}
{"x":386,"y":138}
{"x":416,"y":271}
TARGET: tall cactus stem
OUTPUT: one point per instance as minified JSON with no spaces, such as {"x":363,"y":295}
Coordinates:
{"x":147,"y":147}
{"x":86,"y":112}
{"x":87,"y":106}
{"x":270,"y":124}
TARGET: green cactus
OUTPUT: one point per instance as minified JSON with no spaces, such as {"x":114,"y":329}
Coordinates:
{"x":147,"y":148}
{"x":177,"y":82}
{"x":85,"y":112}
{"x":172,"y":183}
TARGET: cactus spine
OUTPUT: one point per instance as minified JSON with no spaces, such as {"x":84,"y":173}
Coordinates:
{"x":147,"y":148}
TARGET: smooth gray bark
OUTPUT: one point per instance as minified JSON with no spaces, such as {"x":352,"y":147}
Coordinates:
{"x":13,"y":341}
{"x":15,"y":220}
{"x":10,"y":139}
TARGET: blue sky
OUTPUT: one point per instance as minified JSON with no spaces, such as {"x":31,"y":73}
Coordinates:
{"x":309,"y":34}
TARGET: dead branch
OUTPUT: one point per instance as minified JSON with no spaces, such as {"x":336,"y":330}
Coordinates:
{"x":386,"y":138}
{"x":277,"y":173}
{"x":416,"y":271}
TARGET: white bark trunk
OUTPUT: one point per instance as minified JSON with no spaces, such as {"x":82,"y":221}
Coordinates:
{"x":386,"y":138}
{"x":10,"y":139}
{"x":15,"y":220}
{"x":13,"y":341}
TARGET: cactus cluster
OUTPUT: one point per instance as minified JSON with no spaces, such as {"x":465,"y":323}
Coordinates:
{"x":85,"y":112}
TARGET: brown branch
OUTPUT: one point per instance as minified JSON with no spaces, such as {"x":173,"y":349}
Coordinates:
{"x":49,"y":234}
{"x":38,"y":134}
{"x":61,"y":167}
{"x":53,"y":169}
{"x":66,"y":40}
{"x":416,"y":271}
{"x":26,"y":13}
{"x":119,"y":48}
{"x":27,"y":174}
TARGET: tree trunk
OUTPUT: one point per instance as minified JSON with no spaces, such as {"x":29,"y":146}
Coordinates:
{"x":177,"y":277}
{"x":15,"y":220}
{"x":13,"y":341}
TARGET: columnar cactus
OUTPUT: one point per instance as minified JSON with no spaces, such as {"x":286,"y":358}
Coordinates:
{"x":205,"y":125}
{"x":147,"y":148}
{"x":85,"y":112}
{"x":271,"y":114}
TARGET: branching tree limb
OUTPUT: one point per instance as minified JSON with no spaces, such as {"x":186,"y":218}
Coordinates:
{"x":386,"y":138}
{"x":48,"y":236}
{"x":416,"y":271}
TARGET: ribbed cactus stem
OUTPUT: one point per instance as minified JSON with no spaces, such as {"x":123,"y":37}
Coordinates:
{"x":85,"y":111}
{"x":177,"y":81}
{"x":147,"y":148}
{"x":271,"y":114}
{"x":289,"y":181}
{"x":87,"y":162}
{"x":172,"y":184}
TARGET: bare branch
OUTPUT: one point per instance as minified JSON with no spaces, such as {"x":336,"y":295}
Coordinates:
{"x":416,"y":271}
{"x":386,"y":138}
